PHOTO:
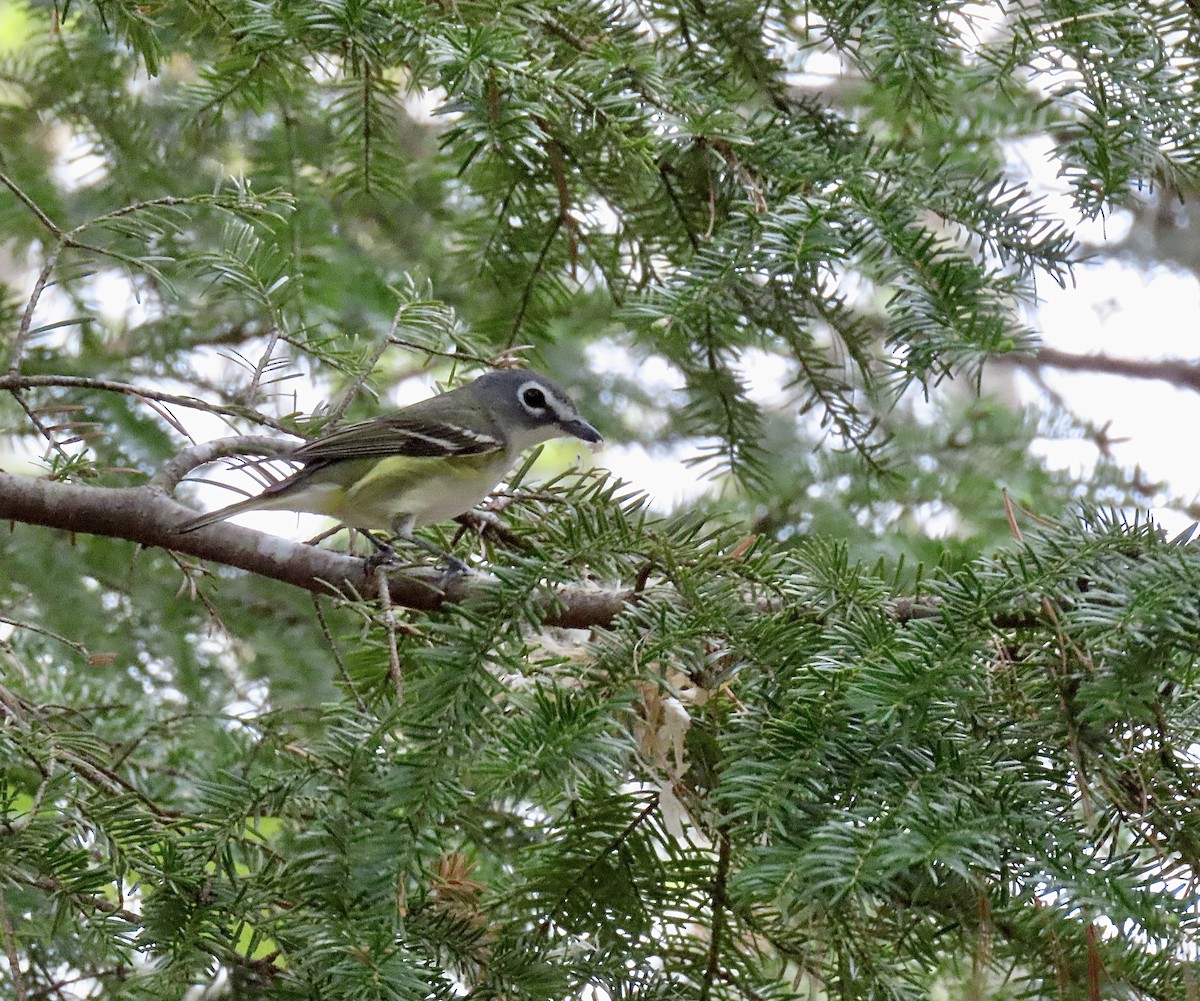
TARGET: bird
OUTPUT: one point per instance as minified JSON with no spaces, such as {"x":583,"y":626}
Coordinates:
{"x":424,"y":463}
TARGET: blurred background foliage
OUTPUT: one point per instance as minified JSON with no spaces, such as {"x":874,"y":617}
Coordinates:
{"x":770,"y":248}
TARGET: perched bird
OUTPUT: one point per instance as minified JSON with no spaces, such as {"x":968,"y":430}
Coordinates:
{"x":424,"y":463}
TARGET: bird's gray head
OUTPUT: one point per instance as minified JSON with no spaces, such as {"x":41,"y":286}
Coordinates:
{"x":532,"y":408}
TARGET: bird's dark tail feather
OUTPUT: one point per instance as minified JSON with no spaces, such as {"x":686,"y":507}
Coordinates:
{"x":212,"y":517}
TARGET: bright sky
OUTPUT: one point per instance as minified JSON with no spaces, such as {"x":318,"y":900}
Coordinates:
{"x":1122,"y":310}
{"x":1125,"y":309}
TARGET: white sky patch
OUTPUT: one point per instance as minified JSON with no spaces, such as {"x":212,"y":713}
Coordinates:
{"x":663,"y":473}
{"x":1075,"y":455}
{"x":119,"y":301}
{"x":1034,"y":159}
{"x":601,"y":216}
{"x":767,"y":376}
{"x":1121,"y":309}
{"x":79,"y":165}
{"x":824,"y":63}
{"x":978,"y":24}
{"x":424,"y":106}
{"x":654,"y":372}
{"x":253,"y":700}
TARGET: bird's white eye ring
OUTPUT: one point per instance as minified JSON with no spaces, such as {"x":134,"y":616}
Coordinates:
{"x":533,"y":398}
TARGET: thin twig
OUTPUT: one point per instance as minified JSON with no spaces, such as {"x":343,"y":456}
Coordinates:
{"x":10,"y":950}
{"x":35,"y":807}
{"x":92,"y":900}
{"x":36,"y":421}
{"x":1175,"y":371}
{"x":557,"y":156}
{"x":366,"y":126}
{"x":30,"y":204}
{"x":454,"y":355}
{"x":337,"y":654}
{"x":664,"y":172}
{"x":617,"y":840}
{"x":356,"y":384}
{"x":14,"y":383}
{"x":171,"y":474}
{"x":712,"y":967}
{"x":43,"y":631}
{"x":264,"y":362}
{"x":527,"y":292}
{"x":39,"y":286}
{"x":561,"y":31}
{"x":166,"y":201}
{"x":389,"y":624}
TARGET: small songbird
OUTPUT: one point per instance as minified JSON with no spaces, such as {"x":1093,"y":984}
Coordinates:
{"x":424,"y":463}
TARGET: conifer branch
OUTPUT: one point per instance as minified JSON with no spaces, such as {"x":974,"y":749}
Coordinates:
{"x":718,"y":905}
{"x":148,"y":516}
{"x":530,"y":283}
{"x":614,"y":844}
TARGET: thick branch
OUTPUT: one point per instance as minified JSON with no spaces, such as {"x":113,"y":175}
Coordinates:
{"x":1184,"y":374}
{"x":148,"y":516}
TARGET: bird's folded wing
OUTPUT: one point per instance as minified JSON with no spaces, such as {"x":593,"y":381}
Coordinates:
{"x":399,"y":435}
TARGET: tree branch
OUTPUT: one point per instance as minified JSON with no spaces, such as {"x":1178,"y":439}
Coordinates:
{"x":171,"y":474}
{"x":30,"y":204}
{"x":10,"y":951}
{"x":585,"y":872}
{"x":1184,"y":374}
{"x":357,"y":383}
{"x":148,"y":516}
{"x":16,"y":383}
{"x":712,"y":966}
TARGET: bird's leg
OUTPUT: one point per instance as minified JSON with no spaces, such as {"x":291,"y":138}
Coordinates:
{"x":384,"y":554}
{"x":403,"y":527}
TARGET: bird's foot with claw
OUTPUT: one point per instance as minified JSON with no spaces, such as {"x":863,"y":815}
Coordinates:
{"x":383,"y":558}
{"x":453,"y":566}
{"x":386,"y":557}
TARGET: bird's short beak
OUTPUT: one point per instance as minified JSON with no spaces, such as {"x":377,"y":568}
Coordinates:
{"x":582,"y":430}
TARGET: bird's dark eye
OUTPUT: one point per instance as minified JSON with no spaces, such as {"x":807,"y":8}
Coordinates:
{"x":534,"y":398}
